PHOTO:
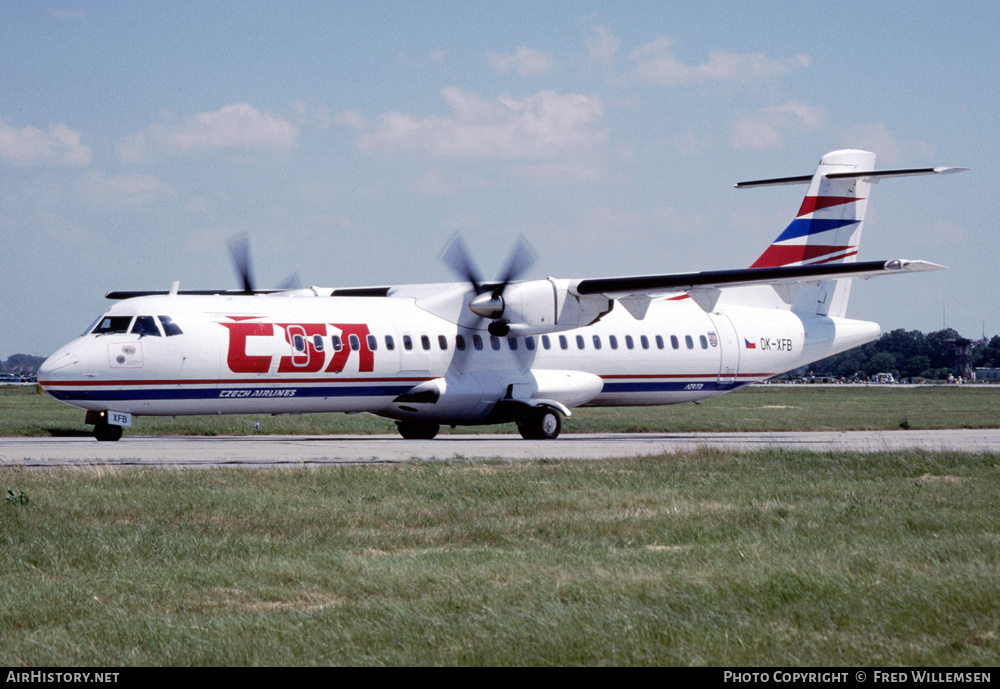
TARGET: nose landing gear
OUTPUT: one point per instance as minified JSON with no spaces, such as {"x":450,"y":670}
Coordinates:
{"x":103,"y":429}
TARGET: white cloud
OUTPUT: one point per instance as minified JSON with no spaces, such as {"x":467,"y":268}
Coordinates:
{"x":890,"y":150}
{"x":656,"y":63}
{"x":437,"y":58}
{"x":603,"y":46}
{"x":236,"y":127}
{"x":436,"y":181}
{"x":543,"y":126}
{"x":60,"y":145}
{"x":768,"y":127}
{"x":692,"y":143}
{"x":105,"y":191}
{"x":525,"y":61}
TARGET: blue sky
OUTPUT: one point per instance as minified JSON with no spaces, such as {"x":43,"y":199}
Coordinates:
{"x":351,"y":140}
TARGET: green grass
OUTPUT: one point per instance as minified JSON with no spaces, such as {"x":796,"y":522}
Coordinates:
{"x":770,"y":558}
{"x":755,"y":408}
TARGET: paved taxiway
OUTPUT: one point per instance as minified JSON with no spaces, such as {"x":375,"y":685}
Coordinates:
{"x":183,"y":451}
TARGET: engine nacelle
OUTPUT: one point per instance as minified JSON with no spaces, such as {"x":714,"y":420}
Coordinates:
{"x":543,"y":306}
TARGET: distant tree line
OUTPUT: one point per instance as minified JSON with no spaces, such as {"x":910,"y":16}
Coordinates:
{"x":910,"y":354}
{"x":21,"y":363}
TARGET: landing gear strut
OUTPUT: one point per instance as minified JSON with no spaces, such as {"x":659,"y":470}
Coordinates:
{"x":542,"y":423}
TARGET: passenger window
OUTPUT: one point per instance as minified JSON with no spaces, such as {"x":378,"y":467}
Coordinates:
{"x":629,"y":342}
{"x":563,"y":344}
{"x":512,"y":342}
{"x":425,"y":342}
{"x":169,"y":327}
{"x":372,"y":343}
{"x":529,"y":342}
{"x":298,"y":343}
{"x":674,"y":342}
{"x":495,"y":343}
{"x":113,"y":324}
{"x":644,"y":341}
{"x":317,"y":343}
{"x":390,"y":344}
{"x":337,"y":343}
{"x":442,"y":342}
{"x":355,"y":342}
{"x":704,"y":341}
{"x":407,"y":342}
{"x":613,"y":341}
{"x":460,"y":343}
{"x":145,"y":325}
{"x":546,"y":342}
{"x":659,"y":342}
{"x":579,"y":341}
{"x":597,"y":341}
{"x":477,"y":342}
{"x":689,"y":342}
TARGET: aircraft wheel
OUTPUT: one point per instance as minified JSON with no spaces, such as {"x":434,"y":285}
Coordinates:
{"x":541,"y":424}
{"x":105,"y":431}
{"x":417,"y":430}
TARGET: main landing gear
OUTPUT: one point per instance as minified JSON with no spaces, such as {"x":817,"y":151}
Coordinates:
{"x":417,"y":430}
{"x":541,"y":423}
{"x":538,"y":423}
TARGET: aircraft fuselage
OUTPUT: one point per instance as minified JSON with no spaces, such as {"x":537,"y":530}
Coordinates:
{"x":257,"y":354}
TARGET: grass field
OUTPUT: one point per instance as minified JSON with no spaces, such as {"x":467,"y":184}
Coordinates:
{"x":752,"y":559}
{"x":770,"y":558}
{"x":755,"y":408}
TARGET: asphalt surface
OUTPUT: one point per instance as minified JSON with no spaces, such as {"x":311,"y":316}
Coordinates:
{"x":260,"y":451}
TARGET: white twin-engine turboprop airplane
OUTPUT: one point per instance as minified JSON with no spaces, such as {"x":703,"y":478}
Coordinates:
{"x":477,"y":352}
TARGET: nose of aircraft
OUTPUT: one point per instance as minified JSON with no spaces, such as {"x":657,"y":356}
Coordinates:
{"x":58,"y":365}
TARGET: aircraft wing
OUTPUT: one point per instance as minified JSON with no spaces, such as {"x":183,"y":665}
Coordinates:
{"x":705,"y":287}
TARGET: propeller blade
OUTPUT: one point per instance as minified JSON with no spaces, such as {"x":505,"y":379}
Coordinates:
{"x":239,"y":251}
{"x":519,"y":262}
{"x":457,"y":257}
{"x":292,"y":282}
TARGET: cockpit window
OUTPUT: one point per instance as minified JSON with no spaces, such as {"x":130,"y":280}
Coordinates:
{"x":169,"y":327}
{"x":145,"y":326}
{"x":112,"y":324}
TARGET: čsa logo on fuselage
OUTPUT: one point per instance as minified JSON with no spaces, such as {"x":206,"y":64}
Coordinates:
{"x":309,"y":349}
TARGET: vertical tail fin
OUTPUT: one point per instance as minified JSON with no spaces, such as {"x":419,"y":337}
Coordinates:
{"x":827,"y":228}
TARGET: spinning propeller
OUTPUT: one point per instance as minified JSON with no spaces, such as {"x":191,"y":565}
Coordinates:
{"x":488,"y":302}
{"x":239,"y":252}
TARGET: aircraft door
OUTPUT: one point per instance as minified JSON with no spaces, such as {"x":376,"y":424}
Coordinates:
{"x":728,"y":343}
{"x":300,"y":346}
{"x":415,"y":352}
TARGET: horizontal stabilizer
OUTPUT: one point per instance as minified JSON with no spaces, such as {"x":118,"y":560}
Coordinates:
{"x":871,"y":175}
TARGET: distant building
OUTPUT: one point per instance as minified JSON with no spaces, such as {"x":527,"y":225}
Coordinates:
{"x":988,"y":374}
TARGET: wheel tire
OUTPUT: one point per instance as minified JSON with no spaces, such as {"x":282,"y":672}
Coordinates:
{"x":417,"y":430}
{"x":107,"y":432}
{"x":541,"y":424}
